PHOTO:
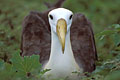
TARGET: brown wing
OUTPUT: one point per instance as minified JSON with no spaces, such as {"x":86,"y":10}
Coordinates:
{"x":35,"y":36}
{"x":83,"y":43}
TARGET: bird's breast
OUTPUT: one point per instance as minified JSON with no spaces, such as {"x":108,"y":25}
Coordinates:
{"x":62,"y":66}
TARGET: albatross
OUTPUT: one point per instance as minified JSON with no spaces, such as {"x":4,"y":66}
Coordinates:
{"x":64,"y":41}
{"x":61,"y":61}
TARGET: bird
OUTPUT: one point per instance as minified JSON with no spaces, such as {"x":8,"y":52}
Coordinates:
{"x":61,"y":61}
{"x":64,"y":41}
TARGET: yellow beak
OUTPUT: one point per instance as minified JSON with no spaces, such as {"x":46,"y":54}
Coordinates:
{"x":61,"y":32}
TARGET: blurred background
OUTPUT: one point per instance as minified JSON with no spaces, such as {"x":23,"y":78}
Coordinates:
{"x":103,"y":14}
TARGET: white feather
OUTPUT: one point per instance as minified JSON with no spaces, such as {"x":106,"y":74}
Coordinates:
{"x":61,"y":65}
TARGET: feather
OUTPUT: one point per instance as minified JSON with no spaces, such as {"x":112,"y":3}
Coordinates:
{"x":35,"y":38}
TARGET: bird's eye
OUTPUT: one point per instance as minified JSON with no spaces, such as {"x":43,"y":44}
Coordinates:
{"x":51,"y":17}
{"x":71,"y":16}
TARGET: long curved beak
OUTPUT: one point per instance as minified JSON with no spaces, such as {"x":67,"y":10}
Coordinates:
{"x":61,"y":32}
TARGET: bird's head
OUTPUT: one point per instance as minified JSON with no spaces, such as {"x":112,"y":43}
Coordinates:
{"x":60,"y":21}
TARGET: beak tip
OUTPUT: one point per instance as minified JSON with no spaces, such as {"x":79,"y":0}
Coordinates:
{"x":63,"y":51}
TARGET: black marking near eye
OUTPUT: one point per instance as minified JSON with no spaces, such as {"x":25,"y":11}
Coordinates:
{"x":71,"y":16}
{"x":51,"y":17}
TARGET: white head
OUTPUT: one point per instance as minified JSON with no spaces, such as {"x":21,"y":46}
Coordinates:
{"x":60,"y":21}
{"x":57,"y":14}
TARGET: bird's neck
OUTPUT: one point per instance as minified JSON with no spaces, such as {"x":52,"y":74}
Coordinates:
{"x":56,"y":48}
{"x":61,"y":65}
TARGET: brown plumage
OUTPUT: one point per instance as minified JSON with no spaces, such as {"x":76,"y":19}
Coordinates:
{"x":36,"y":38}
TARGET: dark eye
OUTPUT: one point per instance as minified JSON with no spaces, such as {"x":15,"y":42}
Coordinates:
{"x":71,"y":16}
{"x":51,"y":17}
